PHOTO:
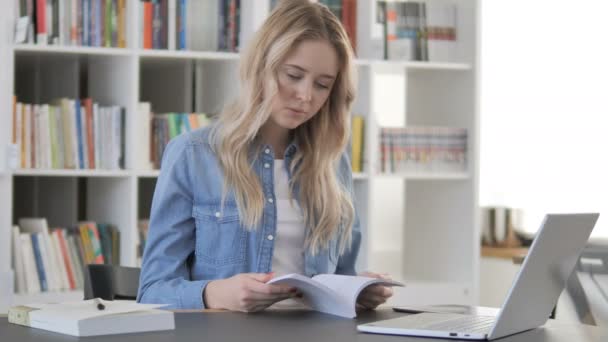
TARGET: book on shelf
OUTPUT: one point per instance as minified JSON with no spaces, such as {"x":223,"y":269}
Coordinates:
{"x":357,"y":143}
{"x":418,"y":31}
{"x":69,"y":134}
{"x":423,"y":149}
{"x":331,"y":293}
{"x":164,"y":127}
{"x":210,"y":25}
{"x":53,"y":259}
{"x":96,"y":23}
{"x":84,"y":318}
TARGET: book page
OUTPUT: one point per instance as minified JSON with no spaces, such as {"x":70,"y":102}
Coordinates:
{"x":316,"y":295}
{"x":349,"y":287}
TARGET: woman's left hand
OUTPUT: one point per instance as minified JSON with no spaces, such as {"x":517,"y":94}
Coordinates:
{"x":374,"y":295}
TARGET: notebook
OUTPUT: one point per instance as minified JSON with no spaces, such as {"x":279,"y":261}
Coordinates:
{"x":85,"y":318}
{"x":542,"y":277}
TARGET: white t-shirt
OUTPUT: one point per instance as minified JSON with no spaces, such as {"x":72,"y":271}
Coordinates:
{"x":288,"y":255}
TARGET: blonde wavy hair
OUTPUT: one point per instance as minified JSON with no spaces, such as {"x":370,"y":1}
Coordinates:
{"x":327,"y":206}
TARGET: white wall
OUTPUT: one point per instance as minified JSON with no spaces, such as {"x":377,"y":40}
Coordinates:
{"x":543,"y":108}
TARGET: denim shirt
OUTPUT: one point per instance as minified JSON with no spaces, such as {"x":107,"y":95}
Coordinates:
{"x":192,"y":240}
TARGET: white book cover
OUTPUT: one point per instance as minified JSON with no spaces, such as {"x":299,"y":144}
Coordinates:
{"x":59,"y":149}
{"x":172,"y":18}
{"x":83,"y":137}
{"x":49,"y":21}
{"x":27,"y":137}
{"x":18,"y":267}
{"x":29,"y":263}
{"x":84,"y":318}
{"x":331,"y":293}
{"x":116,"y":136}
{"x":96,"y":141}
{"x":35,"y":136}
{"x":202,"y":35}
{"x":40,"y":226}
{"x":143,"y":153}
{"x":103,"y":138}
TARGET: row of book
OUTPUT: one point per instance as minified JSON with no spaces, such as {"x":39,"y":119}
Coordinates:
{"x":46,"y":260}
{"x":159,"y":128}
{"x":68,"y":134}
{"x":423,"y":31}
{"x":99,"y":23}
{"x":426,"y":149}
{"x":195,"y":25}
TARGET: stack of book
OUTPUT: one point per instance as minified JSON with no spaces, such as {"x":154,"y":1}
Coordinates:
{"x":54,"y":259}
{"x":195,"y":25}
{"x":423,"y":149}
{"x":99,"y":23}
{"x":69,"y":134}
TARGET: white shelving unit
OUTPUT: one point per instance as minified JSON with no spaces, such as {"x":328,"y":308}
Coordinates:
{"x":436,"y":213}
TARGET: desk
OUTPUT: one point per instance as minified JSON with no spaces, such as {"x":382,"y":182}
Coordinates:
{"x":291,"y":326}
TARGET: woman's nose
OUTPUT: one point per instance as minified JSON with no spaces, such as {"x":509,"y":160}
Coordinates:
{"x":304,"y":92}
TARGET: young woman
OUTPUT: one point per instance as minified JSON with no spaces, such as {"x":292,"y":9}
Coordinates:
{"x":265,"y":190}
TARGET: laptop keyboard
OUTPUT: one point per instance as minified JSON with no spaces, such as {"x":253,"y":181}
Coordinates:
{"x":455,"y":323}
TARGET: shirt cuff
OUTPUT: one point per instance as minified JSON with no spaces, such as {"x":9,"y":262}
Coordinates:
{"x":192,"y":294}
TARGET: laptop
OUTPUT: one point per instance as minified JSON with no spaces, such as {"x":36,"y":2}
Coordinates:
{"x":535,"y":291}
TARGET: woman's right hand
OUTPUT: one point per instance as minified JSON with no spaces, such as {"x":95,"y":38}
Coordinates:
{"x":246,"y":292}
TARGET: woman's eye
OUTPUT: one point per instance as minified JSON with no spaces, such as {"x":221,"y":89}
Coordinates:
{"x":322,"y":86}
{"x":294,"y":77}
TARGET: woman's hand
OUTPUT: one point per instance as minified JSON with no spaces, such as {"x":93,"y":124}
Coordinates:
{"x":374,"y":295}
{"x":246,"y":292}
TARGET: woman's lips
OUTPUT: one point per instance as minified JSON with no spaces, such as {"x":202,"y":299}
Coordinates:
{"x":297,"y":111}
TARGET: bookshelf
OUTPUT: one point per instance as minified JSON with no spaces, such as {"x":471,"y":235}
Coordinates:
{"x":437,"y":234}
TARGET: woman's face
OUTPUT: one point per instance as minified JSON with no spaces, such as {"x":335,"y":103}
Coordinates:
{"x":305,"y":81}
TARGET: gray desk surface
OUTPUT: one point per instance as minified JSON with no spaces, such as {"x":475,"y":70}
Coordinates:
{"x":291,"y":326}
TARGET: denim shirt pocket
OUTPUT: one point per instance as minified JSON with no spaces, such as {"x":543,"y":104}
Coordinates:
{"x":220,"y":237}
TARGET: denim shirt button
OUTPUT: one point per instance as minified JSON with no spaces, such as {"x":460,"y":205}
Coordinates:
{"x":270,"y":237}
{"x":218,"y":214}
{"x":266,"y":165}
{"x":270,"y":200}
{"x":267,"y":151}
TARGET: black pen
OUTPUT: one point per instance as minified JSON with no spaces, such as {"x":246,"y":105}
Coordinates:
{"x":100,"y":305}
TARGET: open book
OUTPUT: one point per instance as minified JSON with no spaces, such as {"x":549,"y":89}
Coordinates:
{"x":331,"y":293}
{"x":84,"y":318}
